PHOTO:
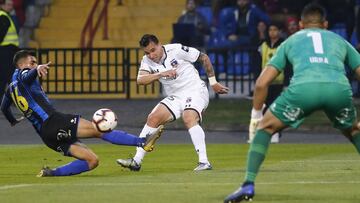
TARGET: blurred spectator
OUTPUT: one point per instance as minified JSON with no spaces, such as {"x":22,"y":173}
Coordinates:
{"x":191,"y":16}
{"x":9,"y":42}
{"x":272,"y":6}
{"x":218,"y":5}
{"x":243,"y":22}
{"x":260,"y":4}
{"x":19,"y":11}
{"x":204,"y":2}
{"x":292,"y":7}
{"x":28,"y":3}
{"x":9,"y":8}
{"x":260,"y":35}
{"x":292,"y":26}
{"x":267,"y":50}
{"x":256,"y":41}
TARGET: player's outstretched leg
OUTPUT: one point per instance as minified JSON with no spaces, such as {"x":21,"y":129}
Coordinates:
{"x":148,"y":146}
{"x":87,"y":160}
{"x":123,"y":138}
{"x":72,"y":168}
{"x":245,"y":192}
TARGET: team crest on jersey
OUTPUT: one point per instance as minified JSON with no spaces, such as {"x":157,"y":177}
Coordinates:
{"x":174,"y":63}
{"x":185,"y":48}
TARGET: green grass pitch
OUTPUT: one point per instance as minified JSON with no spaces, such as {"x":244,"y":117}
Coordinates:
{"x":299,"y":173}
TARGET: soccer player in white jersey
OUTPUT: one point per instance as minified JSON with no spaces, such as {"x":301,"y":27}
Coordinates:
{"x":187,"y":95}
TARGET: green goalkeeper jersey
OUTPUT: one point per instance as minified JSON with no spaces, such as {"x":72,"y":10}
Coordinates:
{"x":316,"y":55}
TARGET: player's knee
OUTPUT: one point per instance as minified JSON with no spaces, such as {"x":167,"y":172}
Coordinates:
{"x":269,"y":128}
{"x":153,"y":119}
{"x":189,"y":121}
{"x":93,"y":162}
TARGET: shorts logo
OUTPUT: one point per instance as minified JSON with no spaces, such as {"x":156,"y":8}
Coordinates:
{"x":73,"y":120}
{"x":343,"y":115}
{"x":292,"y":113}
{"x":60,"y":150}
{"x":63,"y":135}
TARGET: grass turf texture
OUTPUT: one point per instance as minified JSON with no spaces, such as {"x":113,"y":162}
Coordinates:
{"x":291,"y":173}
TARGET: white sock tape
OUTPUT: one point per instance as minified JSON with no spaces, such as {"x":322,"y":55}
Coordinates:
{"x":212,"y":80}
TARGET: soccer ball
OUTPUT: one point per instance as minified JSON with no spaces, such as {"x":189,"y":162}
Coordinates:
{"x":104,"y":120}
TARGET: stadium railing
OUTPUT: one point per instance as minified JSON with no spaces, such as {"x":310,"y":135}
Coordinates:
{"x":112,"y":72}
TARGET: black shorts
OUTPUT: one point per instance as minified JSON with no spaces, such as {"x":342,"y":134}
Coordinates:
{"x":60,"y":131}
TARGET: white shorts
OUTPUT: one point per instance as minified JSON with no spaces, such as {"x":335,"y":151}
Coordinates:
{"x":196,"y":100}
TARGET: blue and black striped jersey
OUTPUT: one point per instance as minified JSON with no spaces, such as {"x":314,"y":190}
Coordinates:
{"x":26,"y":93}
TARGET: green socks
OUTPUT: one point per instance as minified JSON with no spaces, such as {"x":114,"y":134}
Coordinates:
{"x":356,"y":142}
{"x":257,"y":152}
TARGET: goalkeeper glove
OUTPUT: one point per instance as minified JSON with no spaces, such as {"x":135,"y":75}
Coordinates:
{"x":256,"y":116}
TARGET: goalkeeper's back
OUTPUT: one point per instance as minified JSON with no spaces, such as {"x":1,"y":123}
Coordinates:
{"x":317,"y":55}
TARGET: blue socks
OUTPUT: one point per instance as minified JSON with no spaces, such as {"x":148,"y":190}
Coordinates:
{"x":114,"y":137}
{"x":123,"y":138}
{"x":72,"y":168}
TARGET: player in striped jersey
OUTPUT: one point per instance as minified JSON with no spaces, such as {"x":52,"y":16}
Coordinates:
{"x":60,"y":132}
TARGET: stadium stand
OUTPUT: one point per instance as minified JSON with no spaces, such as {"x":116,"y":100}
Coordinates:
{"x":126,"y":22}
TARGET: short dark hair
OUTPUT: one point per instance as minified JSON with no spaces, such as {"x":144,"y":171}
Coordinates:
{"x":313,"y":13}
{"x":146,"y":39}
{"x":276,"y":24}
{"x":22,"y":54}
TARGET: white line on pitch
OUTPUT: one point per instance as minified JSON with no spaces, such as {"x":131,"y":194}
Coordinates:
{"x":319,"y":161}
{"x":7,"y":187}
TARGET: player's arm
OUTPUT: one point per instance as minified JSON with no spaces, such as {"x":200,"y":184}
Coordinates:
{"x":145,"y":77}
{"x":5,"y":108}
{"x":28,"y":76}
{"x":206,"y":63}
{"x":352,"y":59}
{"x":260,"y":94}
{"x":273,"y":68}
{"x":262,"y":85}
{"x":357,"y":73}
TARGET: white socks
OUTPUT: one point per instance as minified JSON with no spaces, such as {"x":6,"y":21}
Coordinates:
{"x":140,"y":152}
{"x":198,"y":138}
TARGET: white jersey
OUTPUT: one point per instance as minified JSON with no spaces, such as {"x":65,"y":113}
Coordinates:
{"x":181,"y":58}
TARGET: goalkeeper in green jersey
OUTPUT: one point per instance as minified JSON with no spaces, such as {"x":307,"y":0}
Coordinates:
{"x":318,"y":58}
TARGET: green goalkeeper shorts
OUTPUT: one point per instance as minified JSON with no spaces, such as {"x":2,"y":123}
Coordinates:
{"x":299,"y":101}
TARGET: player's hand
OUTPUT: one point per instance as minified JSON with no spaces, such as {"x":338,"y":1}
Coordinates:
{"x":256,"y":117}
{"x":42,"y":69}
{"x":220,"y":89}
{"x":169,"y":73}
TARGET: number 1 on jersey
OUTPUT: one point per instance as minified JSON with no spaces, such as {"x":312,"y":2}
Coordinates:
{"x":317,"y":42}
